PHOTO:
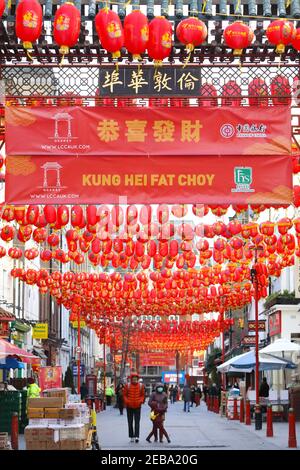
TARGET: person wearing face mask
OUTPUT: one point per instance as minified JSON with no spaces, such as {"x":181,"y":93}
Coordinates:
{"x":158,"y":403}
{"x":134,"y":396}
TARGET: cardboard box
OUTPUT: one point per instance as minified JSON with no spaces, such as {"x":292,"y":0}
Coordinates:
{"x":3,"y":440}
{"x":33,"y":433}
{"x":69,"y":444}
{"x":36,"y":445}
{"x":69,"y":413}
{"x":35,"y":413}
{"x":74,"y":433}
{"x":53,"y":445}
{"x":46,"y":402}
{"x":52,"y":413}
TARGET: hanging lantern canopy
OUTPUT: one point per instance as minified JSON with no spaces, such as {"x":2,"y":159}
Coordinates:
{"x":29,"y":20}
{"x":191,"y":32}
{"x":280,"y":33}
{"x":66,"y":28}
{"x":136,"y":33}
{"x":160,"y":39}
{"x":110,"y":31}
{"x":238,"y":36}
{"x":295,"y":39}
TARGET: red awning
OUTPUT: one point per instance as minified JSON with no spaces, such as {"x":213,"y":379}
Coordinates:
{"x":9,"y":349}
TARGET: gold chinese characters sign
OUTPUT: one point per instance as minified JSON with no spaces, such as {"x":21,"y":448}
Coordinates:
{"x":148,"y":81}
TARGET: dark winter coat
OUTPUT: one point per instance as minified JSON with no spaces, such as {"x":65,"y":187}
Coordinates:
{"x":186,"y":393}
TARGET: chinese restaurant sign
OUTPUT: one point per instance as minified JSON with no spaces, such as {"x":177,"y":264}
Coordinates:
{"x":148,"y":131}
{"x":161,"y":179}
{"x":148,"y":81}
{"x":157,"y":359}
{"x":275,"y":323}
{"x":252,"y":326}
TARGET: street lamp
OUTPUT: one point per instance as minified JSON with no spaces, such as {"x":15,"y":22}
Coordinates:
{"x":254,"y":279}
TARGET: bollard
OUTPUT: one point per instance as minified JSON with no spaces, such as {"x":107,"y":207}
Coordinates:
{"x":292,"y":430}
{"x":269,"y":421}
{"x":242,"y":412}
{"x":235,"y":409}
{"x":15,"y":431}
{"x":258,"y":418}
{"x":248,"y":413}
{"x":208,"y":403}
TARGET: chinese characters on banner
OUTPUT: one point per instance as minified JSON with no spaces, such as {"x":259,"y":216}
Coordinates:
{"x":50,"y":377}
{"x":148,"y":81}
{"x":148,"y":131}
{"x":157,"y":359}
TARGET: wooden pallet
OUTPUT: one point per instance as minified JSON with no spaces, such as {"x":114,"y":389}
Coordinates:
{"x":88,"y":444}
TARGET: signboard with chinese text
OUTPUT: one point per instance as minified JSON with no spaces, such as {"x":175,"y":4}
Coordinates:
{"x":50,"y":377}
{"x":249,"y":340}
{"x":148,"y":131}
{"x":40,"y":331}
{"x":261,"y":325}
{"x":159,"y":179}
{"x":75,"y":324}
{"x":275,"y":323}
{"x":157,"y":359}
{"x":75,"y":370}
{"x":149,"y":81}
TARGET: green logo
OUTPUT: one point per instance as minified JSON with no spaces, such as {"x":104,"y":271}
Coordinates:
{"x":242,"y":179}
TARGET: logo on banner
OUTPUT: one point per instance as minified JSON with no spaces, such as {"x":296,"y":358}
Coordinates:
{"x":52,"y":171}
{"x":242,"y":180}
{"x":227,"y":131}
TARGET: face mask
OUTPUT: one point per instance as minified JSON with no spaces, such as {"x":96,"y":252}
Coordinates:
{"x":159,"y":389}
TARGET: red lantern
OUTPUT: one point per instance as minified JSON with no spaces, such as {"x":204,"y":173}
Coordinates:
{"x":29,"y":20}
{"x":50,"y":214}
{"x":160,"y":39}
{"x":32,"y":215}
{"x":258,"y":92}
{"x":77,"y":218}
{"x":110,"y":31}
{"x":53,"y":239}
{"x":238,"y":36}
{"x":66,"y":26}
{"x":280,"y":90}
{"x":2,"y":7}
{"x":2,"y":251}
{"x":280,"y":33}
{"x":191,"y":32}
{"x":231,"y":94}
{"x":62,"y":215}
{"x":136,"y":33}
{"x":20,"y":215}
{"x":296,"y":39}
{"x":46,"y":255}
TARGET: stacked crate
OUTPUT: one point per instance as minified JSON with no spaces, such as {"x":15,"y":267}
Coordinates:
{"x":10,"y":402}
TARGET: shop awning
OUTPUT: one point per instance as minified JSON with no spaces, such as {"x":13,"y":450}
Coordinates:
{"x":9,"y":349}
{"x":246,"y":363}
{"x":40,"y":352}
{"x":11,"y":363}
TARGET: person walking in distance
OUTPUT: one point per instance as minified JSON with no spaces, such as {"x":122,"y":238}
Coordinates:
{"x":186,"y":394}
{"x":158,"y":403}
{"x":134,"y":396}
{"x":120,"y":397}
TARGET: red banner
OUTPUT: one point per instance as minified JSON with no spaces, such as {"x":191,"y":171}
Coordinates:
{"x":148,"y":131}
{"x":50,"y":377}
{"x":157,"y":359}
{"x":114,"y":180}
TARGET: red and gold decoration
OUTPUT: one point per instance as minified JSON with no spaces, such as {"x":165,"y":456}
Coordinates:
{"x":136,"y":34}
{"x":110,"y":31}
{"x":160,"y":39}
{"x":66,"y":27}
{"x":191,"y":32}
{"x":29,"y":20}
{"x":280,"y":33}
{"x":238,"y":36}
